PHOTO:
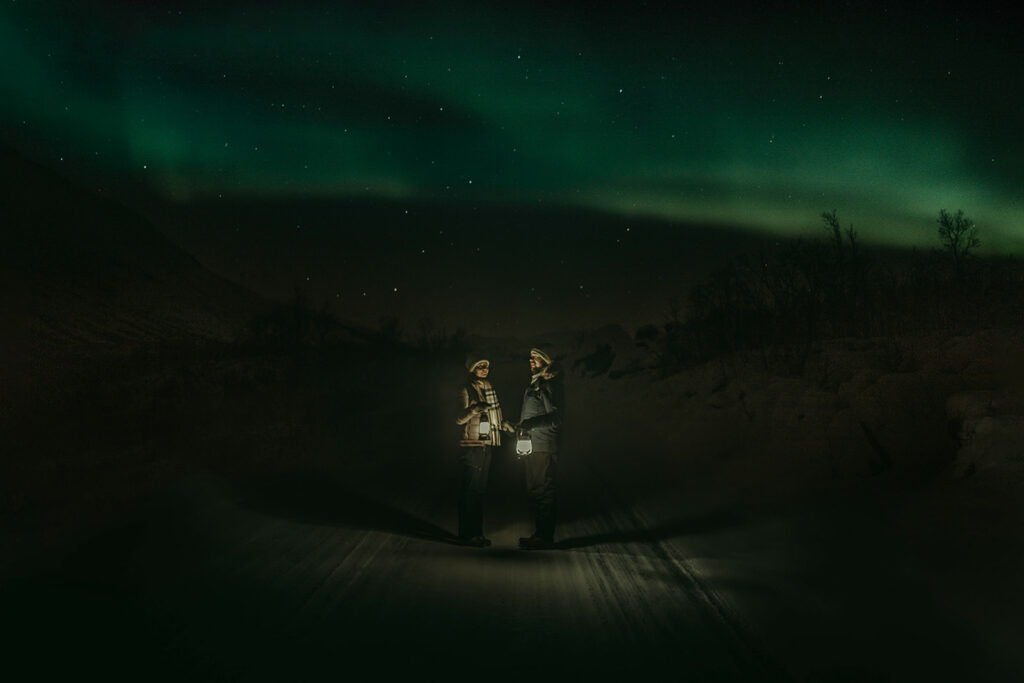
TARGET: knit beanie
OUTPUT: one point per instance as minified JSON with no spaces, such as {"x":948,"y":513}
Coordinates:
{"x":540,"y":354}
{"x":474,"y":360}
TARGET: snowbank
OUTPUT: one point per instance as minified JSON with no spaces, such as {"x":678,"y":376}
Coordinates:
{"x":989,"y":426}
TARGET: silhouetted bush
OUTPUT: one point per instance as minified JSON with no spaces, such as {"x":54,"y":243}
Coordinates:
{"x":782,"y":302}
{"x":437,"y":341}
{"x":296,"y":325}
{"x":959,"y":237}
{"x":389,"y":330}
{"x":596,"y":363}
{"x":647,"y":335}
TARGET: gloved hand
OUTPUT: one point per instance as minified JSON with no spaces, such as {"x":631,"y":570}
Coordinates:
{"x":506,"y":426}
{"x":480,"y":407}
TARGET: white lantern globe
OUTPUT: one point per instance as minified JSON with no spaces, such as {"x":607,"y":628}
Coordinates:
{"x":524,"y":443}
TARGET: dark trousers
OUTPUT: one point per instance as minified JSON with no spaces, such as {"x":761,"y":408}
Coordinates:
{"x":476,"y":465}
{"x":540,"y":486}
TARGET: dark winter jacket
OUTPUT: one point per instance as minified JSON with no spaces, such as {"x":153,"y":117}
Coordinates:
{"x":543,"y":409}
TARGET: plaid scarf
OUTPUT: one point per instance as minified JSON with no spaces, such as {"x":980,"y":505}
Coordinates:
{"x":484,"y":388}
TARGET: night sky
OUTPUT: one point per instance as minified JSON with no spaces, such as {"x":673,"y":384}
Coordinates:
{"x":734,"y":116}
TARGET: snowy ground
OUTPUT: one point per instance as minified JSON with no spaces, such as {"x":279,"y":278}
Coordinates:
{"x":718,"y":523}
{"x":299,"y":577}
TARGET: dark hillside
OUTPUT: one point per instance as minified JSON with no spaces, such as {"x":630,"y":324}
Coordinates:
{"x":83,"y":276}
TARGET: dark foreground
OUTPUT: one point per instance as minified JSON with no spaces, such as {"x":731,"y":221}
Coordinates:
{"x":310,"y":574}
{"x":295,"y":520}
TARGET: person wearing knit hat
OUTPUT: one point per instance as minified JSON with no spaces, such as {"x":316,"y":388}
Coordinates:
{"x":539,"y":353}
{"x":477,"y":398}
{"x":541,"y":416}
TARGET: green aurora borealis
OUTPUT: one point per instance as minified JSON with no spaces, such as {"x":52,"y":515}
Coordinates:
{"x":760,"y":119}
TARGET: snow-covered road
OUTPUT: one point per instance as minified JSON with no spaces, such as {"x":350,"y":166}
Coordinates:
{"x":285,"y":579}
{"x":324,"y":574}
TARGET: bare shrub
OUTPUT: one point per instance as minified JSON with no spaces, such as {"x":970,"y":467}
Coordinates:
{"x":959,"y":237}
{"x":781,"y":302}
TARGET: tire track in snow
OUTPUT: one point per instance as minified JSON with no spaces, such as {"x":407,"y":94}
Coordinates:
{"x":688,"y":579}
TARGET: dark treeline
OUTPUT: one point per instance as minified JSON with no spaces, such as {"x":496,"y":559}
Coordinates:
{"x":780,"y":302}
{"x":776,"y":304}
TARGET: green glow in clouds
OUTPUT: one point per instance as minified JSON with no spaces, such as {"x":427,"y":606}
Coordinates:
{"x":758,"y":121}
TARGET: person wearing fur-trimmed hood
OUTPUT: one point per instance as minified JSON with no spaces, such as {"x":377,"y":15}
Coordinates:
{"x":543,"y":405}
{"x":476,"y":398}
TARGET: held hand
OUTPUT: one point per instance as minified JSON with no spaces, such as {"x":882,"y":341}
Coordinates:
{"x":506,"y":426}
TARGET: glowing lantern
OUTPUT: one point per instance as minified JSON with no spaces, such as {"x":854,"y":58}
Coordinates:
{"x":524,"y":444}
{"x":485,"y":425}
